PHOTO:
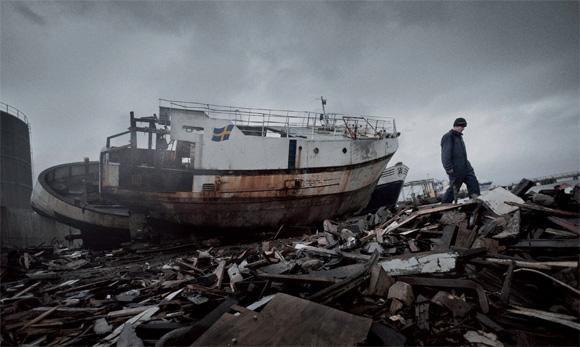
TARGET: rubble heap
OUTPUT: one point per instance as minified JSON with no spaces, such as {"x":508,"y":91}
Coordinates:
{"x":499,"y":270}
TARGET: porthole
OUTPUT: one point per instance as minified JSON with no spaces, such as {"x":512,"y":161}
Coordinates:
{"x":344,"y":150}
{"x":316,"y":151}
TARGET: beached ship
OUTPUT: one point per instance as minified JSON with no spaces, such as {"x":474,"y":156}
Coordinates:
{"x":221,"y":167}
{"x":388,"y":189}
{"x":422,"y":192}
{"x":485,"y":185}
{"x":69,"y":193}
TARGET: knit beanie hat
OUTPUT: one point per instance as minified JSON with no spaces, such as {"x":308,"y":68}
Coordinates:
{"x":460,"y":122}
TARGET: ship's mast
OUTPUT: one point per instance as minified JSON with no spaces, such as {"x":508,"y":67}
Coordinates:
{"x":323,"y":117}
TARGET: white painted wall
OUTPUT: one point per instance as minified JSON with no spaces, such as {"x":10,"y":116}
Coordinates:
{"x":241,"y":152}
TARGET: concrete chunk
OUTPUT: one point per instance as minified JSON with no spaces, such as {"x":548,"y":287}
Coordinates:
{"x":402,"y":291}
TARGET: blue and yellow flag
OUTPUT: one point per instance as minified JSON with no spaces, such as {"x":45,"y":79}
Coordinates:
{"x":222,"y":134}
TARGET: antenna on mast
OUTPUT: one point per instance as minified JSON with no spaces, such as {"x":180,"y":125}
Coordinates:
{"x":323,"y":117}
{"x":323,"y":103}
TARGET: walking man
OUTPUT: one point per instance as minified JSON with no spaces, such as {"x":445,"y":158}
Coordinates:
{"x":455,"y":163}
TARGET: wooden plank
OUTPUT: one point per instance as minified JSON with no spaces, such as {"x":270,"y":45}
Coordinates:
{"x":70,"y":311}
{"x":463,"y":234}
{"x":465,"y":237}
{"x":535,"y":207}
{"x":420,"y":263}
{"x":88,"y":285}
{"x":288,"y":321}
{"x":48,"y":323}
{"x":558,"y":232}
{"x":186,"y":265}
{"x":561,"y":243}
{"x":338,"y":272}
{"x":297,"y":278}
{"x":537,"y":233}
{"x":219,"y":272}
{"x":546,"y":265}
{"x":552,"y":278}
{"x":25,"y":290}
{"x":419,"y":213}
{"x":432,"y":228}
{"x":209,"y":291}
{"x":449,"y":236}
{"x":338,"y":289}
{"x":507,"y":284}
{"x":549,"y":316}
{"x":41,"y":317}
{"x":444,"y":208}
{"x":129,"y":311}
{"x":381,"y":228}
{"x":323,"y":252}
{"x":566,"y":224}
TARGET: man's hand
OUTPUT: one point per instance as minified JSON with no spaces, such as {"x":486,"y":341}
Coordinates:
{"x":450,"y":171}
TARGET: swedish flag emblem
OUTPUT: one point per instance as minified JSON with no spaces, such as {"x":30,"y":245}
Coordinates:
{"x":222,"y":134}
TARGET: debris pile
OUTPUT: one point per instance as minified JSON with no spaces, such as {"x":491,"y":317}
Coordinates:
{"x":498,"y":270}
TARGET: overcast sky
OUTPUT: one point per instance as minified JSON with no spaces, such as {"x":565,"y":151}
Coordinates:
{"x":511,"y":68}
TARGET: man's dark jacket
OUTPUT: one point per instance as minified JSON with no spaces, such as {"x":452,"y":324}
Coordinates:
{"x":453,"y":153}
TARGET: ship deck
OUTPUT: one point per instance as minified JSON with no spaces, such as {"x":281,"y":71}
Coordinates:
{"x":77,"y":184}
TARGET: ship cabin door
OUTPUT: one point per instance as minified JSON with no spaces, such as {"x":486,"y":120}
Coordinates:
{"x":185,"y":153}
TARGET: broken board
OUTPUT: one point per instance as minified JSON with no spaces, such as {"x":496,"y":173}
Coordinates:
{"x":288,"y":321}
{"x":421,"y":263}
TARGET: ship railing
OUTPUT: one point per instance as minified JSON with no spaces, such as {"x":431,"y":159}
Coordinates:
{"x":292,"y":123}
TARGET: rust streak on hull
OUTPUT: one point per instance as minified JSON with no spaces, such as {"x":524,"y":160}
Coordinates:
{"x":256,"y":201}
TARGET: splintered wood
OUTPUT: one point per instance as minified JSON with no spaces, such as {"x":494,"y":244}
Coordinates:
{"x":499,"y":270}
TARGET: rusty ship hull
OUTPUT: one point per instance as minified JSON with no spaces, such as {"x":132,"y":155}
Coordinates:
{"x":218,"y":167}
{"x":253,"y":200}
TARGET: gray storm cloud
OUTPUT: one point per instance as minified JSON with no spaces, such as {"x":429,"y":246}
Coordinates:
{"x":77,"y":69}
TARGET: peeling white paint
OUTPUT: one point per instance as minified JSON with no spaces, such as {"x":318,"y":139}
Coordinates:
{"x":420,"y":263}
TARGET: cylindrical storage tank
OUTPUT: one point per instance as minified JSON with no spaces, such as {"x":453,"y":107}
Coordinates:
{"x":15,"y":159}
